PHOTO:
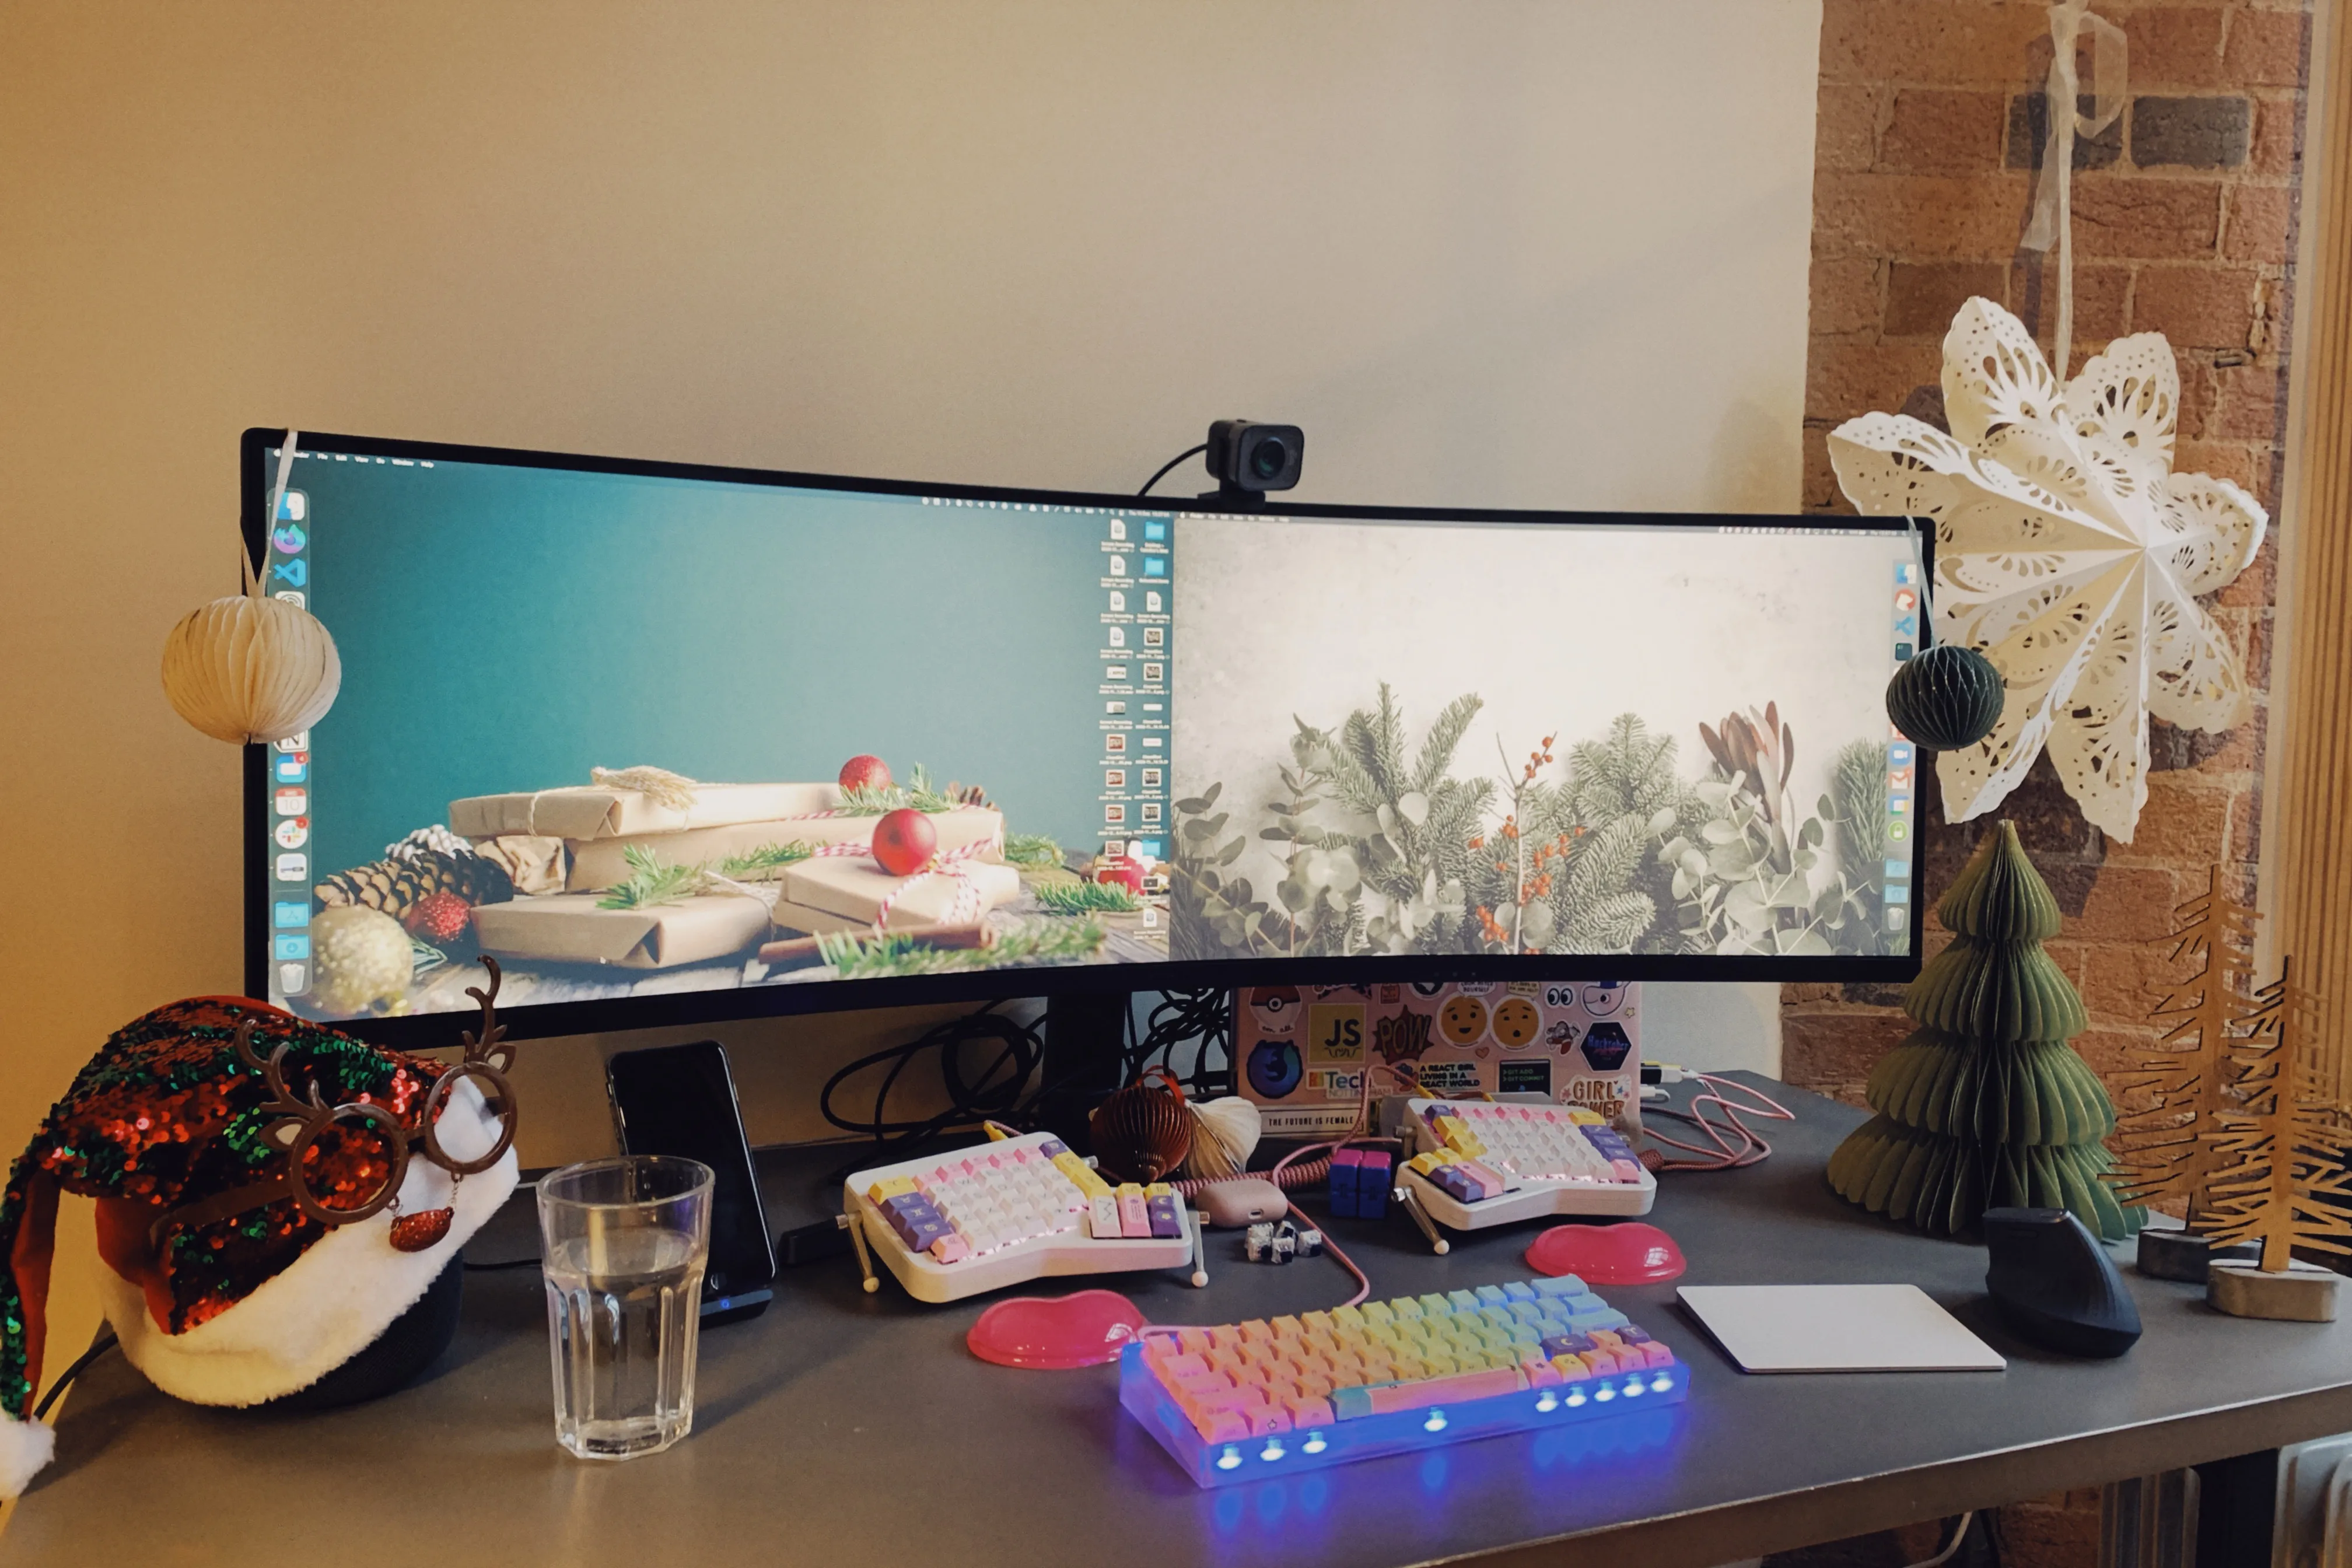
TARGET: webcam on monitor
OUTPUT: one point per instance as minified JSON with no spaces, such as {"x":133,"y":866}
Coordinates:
{"x":1249,"y":458}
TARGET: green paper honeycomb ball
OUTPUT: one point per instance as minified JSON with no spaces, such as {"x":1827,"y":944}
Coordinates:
{"x":1945,"y":698}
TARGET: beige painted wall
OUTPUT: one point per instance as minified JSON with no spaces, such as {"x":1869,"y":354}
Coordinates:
{"x":1534,"y":254}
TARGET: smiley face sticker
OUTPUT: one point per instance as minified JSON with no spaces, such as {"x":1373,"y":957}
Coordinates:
{"x":1516,"y":1022}
{"x":1463,"y":1019}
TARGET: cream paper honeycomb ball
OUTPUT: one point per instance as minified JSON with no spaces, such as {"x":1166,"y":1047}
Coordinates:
{"x":245,"y":669}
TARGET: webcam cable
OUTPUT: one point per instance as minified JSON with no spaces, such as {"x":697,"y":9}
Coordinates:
{"x":1171,"y":463}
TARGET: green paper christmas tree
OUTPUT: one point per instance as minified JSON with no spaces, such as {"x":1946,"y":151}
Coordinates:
{"x":1985,"y":1105}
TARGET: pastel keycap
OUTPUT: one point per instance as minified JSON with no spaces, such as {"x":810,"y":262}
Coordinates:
{"x":1134,"y":1218}
{"x":922,"y":1234}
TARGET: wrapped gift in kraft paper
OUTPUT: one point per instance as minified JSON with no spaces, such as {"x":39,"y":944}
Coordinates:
{"x":848,"y":893}
{"x":599,"y":863}
{"x":533,"y":864}
{"x":575,"y":928}
{"x":612,"y":811}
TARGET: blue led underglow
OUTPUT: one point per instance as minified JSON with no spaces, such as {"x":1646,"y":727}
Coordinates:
{"x":1566,"y":1422}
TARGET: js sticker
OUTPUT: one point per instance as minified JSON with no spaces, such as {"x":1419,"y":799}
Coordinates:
{"x":1335,"y":1031}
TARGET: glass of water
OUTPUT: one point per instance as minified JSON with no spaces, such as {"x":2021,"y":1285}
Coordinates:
{"x":624,"y":1244}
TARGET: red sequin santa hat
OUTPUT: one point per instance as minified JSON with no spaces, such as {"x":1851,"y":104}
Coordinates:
{"x":263,"y":1211}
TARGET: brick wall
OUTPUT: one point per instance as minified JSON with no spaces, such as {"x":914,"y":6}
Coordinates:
{"x":1929,"y":134}
{"x":1929,"y":117}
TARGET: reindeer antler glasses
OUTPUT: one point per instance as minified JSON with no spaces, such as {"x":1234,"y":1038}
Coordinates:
{"x":298,"y":1123}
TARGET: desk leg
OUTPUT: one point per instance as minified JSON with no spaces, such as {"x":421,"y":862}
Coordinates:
{"x":2236,"y":1514}
{"x":2214,"y":1516}
{"x":2150,"y":1522}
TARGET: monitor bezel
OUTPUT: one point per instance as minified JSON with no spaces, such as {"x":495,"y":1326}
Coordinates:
{"x":720,"y":1005}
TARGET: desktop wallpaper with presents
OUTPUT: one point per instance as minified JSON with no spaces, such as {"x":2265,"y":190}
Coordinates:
{"x":632,"y":734}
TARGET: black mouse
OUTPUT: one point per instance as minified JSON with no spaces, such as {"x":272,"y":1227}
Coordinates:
{"x":2055,"y":1285}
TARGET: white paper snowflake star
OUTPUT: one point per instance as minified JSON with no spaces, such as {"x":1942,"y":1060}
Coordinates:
{"x":2069,"y":553}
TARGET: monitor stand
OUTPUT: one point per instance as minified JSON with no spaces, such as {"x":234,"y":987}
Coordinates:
{"x":1085,"y":1040}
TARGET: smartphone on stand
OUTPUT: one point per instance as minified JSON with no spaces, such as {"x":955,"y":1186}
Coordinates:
{"x":680,"y":1101}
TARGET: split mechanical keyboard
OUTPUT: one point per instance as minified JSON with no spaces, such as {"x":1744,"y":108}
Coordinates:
{"x":1482,"y":1162}
{"x":1245,"y":1401}
{"x":1014,"y":1209}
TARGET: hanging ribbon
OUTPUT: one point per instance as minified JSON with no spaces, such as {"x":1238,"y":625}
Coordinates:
{"x":2053,"y":209}
{"x":258,"y":587}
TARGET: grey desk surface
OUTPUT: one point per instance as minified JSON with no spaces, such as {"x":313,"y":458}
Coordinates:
{"x":842,"y":1427}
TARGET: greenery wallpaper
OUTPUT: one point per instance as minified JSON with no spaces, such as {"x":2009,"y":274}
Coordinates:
{"x":1396,"y":842}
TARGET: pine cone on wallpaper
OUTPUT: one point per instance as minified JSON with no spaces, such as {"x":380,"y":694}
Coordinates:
{"x":396,"y":887}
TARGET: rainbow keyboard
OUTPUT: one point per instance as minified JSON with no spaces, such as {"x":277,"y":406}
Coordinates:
{"x":1004,"y":1212}
{"x":1482,"y":1162}
{"x":1242,"y":1401}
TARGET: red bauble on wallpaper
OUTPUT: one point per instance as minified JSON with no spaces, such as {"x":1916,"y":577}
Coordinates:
{"x":866,"y":773}
{"x":904,"y":842}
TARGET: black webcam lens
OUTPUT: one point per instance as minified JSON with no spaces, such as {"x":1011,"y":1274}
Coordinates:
{"x":1269,"y":458}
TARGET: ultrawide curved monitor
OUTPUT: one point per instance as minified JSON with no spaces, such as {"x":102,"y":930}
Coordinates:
{"x":678,"y":744}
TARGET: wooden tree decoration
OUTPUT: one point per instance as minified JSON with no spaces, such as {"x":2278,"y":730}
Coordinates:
{"x":2167,"y":1154}
{"x":2284,"y":1182}
{"x":1986,"y":1105}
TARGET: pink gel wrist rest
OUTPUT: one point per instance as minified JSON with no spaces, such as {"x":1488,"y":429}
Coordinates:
{"x":1051,"y":1333}
{"x":1632,"y":1253}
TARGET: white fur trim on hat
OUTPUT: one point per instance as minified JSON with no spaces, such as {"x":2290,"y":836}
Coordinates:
{"x":331,"y":1303}
{"x":25,"y":1447}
